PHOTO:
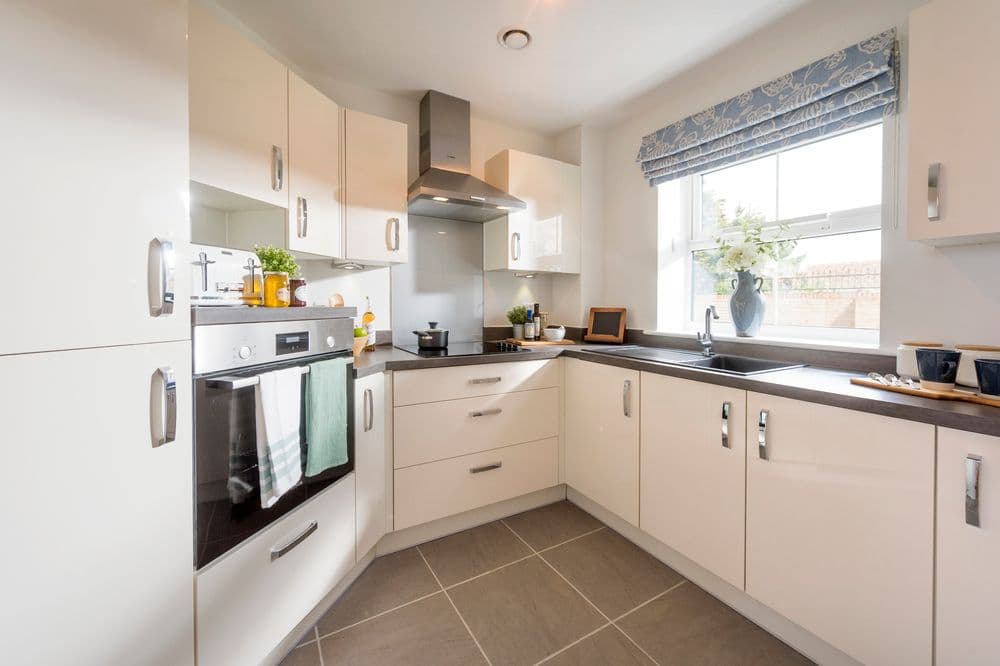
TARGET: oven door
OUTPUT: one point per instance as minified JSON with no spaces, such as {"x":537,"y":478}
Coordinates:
{"x":227,"y":483}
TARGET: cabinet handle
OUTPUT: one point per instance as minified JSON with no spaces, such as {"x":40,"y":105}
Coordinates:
{"x":933,"y":196}
{"x":369,"y":410}
{"x":627,"y":398}
{"x":283,"y":549}
{"x":392,"y":234}
{"x":726,"y":406}
{"x":762,"y":434}
{"x":277,"y":168}
{"x":163,"y":406}
{"x":303,"y":217}
{"x":486,"y":412}
{"x":160,"y":277}
{"x":515,"y":246}
{"x":972,"y":465}
{"x":485,"y":468}
{"x":484,"y":380}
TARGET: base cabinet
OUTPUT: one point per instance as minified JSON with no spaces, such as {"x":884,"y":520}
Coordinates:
{"x":602,"y":435}
{"x":371,"y":466}
{"x":840,"y":526}
{"x":692,"y":481}
{"x":968,"y":576}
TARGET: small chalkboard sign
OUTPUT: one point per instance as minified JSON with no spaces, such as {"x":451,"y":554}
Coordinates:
{"x":606,"y":325}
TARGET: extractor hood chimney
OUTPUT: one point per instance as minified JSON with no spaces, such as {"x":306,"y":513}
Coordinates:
{"x":445,"y":187}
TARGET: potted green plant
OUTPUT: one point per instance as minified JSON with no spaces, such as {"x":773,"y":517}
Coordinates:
{"x":278,"y":266}
{"x":518,"y":316}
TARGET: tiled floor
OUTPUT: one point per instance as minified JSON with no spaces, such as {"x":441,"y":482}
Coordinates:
{"x":551,"y":585}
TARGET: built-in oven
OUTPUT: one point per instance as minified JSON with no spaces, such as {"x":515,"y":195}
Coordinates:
{"x":228,"y":362}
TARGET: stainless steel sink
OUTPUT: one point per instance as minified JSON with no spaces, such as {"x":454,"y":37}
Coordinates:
{"x":739,"y":365}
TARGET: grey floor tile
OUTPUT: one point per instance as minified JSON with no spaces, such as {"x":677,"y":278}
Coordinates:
{"x":308,"y":636}
{"x":461,"y":556}
{"x":611,"y":571}
{"x":552,"y":524}
{"x":688,"y":626}
{"x":390,"y":580}
{"x":608,"y":646}
{"x":427,"y":632}
{"x":524,"y":612}
{"x":307,"y":655}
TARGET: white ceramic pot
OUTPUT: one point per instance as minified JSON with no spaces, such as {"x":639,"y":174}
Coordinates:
{"x":906,"y":357}
{"x":967,"y":364}
{"x":554,"y":334}
{"x":518,"y":331}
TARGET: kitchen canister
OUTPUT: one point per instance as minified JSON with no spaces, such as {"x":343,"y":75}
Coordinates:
{"x":967,"y":366}
{"x":906,"y":357}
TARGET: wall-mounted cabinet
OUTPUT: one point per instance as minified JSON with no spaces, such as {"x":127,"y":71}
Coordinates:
{"x":953,"y":140}
{"x":545,"y":237}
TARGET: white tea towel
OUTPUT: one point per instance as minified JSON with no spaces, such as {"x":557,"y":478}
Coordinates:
{"x":279,"y":453}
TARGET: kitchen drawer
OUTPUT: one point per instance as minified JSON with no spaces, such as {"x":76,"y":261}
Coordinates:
{"x":438,"y":430}
{"x":447,"y":487}
{"x":247,"y":603}
{"x":465,"y":381}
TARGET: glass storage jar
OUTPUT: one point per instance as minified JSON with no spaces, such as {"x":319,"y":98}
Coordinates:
{"x":277,"y":293}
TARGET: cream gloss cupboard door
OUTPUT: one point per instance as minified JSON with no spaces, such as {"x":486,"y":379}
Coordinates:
{"x":238,"y":111}
{"x":693,"y":475}
{"x":968,"y":548}
{"x":96,"y":167}
{"x":953,"y":85}
{"x":313,"y":170}
{"x":840,"y":526}
{"x":371,"y":466}
{"x":374,"y":189}
{"x":602,"y":435}
{"x":97,"y":563}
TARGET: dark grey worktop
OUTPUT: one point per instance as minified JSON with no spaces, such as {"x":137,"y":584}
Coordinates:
{"x":811,"y":384}
{"x":241,"y":314}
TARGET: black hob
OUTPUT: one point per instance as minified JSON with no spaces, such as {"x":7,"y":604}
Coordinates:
{"x":465,"y":349}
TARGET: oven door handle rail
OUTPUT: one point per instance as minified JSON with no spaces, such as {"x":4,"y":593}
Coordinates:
{"x":233,"y":383}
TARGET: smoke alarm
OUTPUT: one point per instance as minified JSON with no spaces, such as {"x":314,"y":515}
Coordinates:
{"x":514,"y":39}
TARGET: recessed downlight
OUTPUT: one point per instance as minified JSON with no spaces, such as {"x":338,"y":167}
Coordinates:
{"x":442,"y":199}
{"x":503,"y":207}
{"x":514,"y":39}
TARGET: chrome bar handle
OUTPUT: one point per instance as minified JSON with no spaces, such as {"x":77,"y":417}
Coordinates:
{"x":762,"y":434}
{"x":283,"y":549}
{"x":369,"y":407}
{"x":395,"y":234}
{"x":389,"y":245}
{"x":277,"y":168}
{"x":726,"y":407}
{"x":627,"y":398}
{"x":972,"y":465}
{"x":515,"y":246}
{"x":163,"y":407}
{"x":485,"y":380}
{"x":933,"y":194}
{"x":485,"y":468}
{"x":486,"y":412}
{"x":160,"y":277}
{"x":302,"y":217}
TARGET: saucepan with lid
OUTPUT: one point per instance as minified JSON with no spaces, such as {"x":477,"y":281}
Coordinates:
{"x":432,"y":337}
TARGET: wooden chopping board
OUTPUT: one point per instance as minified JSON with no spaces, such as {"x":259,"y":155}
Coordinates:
{"x":539,"y":343}
{"x":962,"y":396}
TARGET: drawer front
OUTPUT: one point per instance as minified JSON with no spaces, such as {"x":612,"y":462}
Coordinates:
{"x":411,"y":387}
{"x":248,"y":602}
{"x":439,"y":430}
{"x":447,"y":487}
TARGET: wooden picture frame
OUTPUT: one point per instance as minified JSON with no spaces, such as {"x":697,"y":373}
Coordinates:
{"x":599,"y":317}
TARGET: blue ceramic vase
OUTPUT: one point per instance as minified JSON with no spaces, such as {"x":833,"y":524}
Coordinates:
{"x":746,"y":305}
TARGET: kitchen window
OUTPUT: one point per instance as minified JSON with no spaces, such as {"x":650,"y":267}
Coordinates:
{"x":826,"y":196}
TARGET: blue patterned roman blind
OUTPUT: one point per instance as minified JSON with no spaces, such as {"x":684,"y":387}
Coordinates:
{"x":849,"y":89}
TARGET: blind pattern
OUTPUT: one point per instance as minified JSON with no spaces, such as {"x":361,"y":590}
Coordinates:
{"x":846,"y":90}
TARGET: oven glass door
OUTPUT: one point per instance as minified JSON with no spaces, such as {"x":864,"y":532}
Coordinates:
{"x":227,"y":483}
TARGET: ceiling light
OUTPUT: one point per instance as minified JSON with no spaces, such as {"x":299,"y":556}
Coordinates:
{"x":442,"y":199}
{"x":514,"y":39}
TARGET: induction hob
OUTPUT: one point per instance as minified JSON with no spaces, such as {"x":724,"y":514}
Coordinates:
{"x":465,"y":349}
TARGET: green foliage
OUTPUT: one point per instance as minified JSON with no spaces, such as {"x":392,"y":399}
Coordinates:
{"x":517,"y":315}
{"x":277,"y":260}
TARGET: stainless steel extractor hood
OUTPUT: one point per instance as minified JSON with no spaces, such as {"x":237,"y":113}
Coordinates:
{"x":445,"y":187}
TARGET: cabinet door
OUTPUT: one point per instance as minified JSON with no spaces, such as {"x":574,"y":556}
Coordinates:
{"x":602,"y":435}
{"x":693,"y":474}
{"x":98,"y":522}
{"x":551,"y":223}
{"x":313,"y":170}
{"x":96,"y":167}
{"x":375,"y":188}
{"x":239,"y":112}
{"x":840,"y":526}
{"x":967,"y":554}
{"x":370,"y":462}
{"x":954,"y":89}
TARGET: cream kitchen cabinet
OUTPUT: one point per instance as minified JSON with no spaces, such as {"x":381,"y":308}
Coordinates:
{"x":374,"y":189}
{"x":371,"y":466}
{"x":953,"y":91}
{"x":238,"y":111}
{"x":545,"y":237}
{"x":968,"y":548}
{"x":840,"y":526}
{"x":314,"y":202}
{"x":602,"y":435}
{"x":693,"y":474}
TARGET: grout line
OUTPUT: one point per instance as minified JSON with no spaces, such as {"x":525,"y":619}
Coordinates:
{"x":318,"y":646}
{"x":649,"y":601}
{"x":637,"y":646}
{"x":579,"y":640}
{"x":487,"y":573}
{"x":457,"y":612}
{"x":563,"y":543}
{"x":377,"y":615}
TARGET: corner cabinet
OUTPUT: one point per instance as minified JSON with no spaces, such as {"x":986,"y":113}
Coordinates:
{"x":602,"y":435}
{"x":371,"y":467}
{"x":545,"y":237}
{"x":954,"y":91}
{"x":968,"y":548}
{"x":840,"y":526}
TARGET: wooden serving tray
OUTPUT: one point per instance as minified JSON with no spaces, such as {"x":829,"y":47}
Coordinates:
{"x":962,"y":396}
{"x":539,"y":343}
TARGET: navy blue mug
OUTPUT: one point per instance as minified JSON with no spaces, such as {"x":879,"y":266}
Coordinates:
{"x":938,"y":368}
{"x":988,"y":373}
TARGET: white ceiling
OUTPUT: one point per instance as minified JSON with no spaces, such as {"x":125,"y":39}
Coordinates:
{"x":587,"y":58}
